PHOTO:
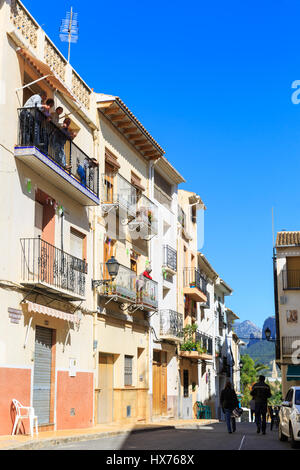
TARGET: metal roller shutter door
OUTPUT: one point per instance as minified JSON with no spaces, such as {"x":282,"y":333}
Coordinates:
{"x":42,"y":374}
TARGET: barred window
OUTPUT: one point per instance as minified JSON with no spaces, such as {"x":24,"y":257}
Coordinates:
{"x":128,"y":370}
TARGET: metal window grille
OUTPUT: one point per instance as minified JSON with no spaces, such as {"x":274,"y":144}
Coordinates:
{"x":128,"y":370}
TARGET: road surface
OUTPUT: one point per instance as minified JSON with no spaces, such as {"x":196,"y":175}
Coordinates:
{"x":212,"y":437}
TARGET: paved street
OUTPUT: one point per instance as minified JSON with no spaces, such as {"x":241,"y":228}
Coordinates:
{"x":213,"y":437}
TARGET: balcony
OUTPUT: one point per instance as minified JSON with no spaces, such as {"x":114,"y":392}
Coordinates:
{"x":52,"y":270}
{"x":194,"y":285}
{"x":205,"y":342}
{"x":169,"y":259}
{"x":291,"y":279}
{"x":147,"y":293}
{"x":117,"y":193}
{"x":146,"y":220}
{"x":171,"y":325}
{"x":122,"y":288}
{"x":50,"y":152}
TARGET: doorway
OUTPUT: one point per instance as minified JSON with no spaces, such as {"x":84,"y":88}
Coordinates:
{"x":159,"y":370}
{"x":44,"y":338}
{"x":105,"y":383}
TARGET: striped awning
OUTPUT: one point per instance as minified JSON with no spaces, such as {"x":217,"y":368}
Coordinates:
{"x":51,"y":312}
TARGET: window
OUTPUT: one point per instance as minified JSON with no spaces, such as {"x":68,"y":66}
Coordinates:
{"x":128,"y":370}
{"x":77,"y":244}
{"x":185,"y":383}
{"x":133,"y":261}
{"x":162,"y":184}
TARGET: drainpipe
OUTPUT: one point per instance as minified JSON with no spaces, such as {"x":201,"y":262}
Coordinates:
{"x":277,"y":344}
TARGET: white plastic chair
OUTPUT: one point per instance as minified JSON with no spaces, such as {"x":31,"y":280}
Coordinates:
{"x":25,"y":412}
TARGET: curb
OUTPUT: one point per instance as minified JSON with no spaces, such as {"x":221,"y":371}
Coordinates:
{"x":35,"y":445}
{"x":40,"y":444}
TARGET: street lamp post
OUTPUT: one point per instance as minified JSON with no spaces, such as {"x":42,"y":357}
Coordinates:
{"x":113,"y":268}
{"x":268,"y":335}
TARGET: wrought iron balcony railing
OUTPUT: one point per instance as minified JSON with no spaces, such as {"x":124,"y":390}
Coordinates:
{"x":45,"y":265}
{"x":289,"y":345}
{"x":291,"y":279}
{"x":123,"y":287}
{"x":192,"y":277}
{"x":147,"y":292}
{"x":36,"y":130}
{"x":207,"y":303}
{"x":117,"y":190}
{"x":147,"y":215}
{"x":171,"y":324}
{"x":170,"y":258}
{"x":205,"y":341}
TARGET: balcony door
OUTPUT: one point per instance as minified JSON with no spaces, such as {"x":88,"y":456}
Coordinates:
{"x":44,"y":227}
{"x":108,"y":252}
{"x":44,"y":217}
{"x":109,"y":183}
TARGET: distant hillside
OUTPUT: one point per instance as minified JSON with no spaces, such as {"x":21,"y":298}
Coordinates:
{"x":258,"y":348}
{"x":247,"y":331}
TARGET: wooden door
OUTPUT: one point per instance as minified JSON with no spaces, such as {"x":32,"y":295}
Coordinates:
{"x":105,"y":381}
{"x":164,"y":395}
{"x":159,"y":386}
{"x":156,"y":411}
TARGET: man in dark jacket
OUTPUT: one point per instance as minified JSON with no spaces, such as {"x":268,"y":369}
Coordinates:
{"x":229,"y":402}
{"x":261,"y":392}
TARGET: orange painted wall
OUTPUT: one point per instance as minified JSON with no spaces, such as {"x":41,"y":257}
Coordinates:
{"x":77,"y":393}
{"x":14,"y":383}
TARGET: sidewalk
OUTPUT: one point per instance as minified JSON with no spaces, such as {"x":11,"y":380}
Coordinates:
{"x":25,"y":442}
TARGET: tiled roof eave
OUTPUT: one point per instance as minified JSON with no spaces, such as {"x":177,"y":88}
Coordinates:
{"x":112,"y":106}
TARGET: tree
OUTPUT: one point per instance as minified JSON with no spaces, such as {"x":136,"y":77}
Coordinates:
{"x":249,"y":373}
{"x":276,"y":391}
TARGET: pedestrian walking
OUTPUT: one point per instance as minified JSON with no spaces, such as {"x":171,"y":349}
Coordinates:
{"x":260,"y":393}
{"x":229,"y":402}
{"x":252,"y":410}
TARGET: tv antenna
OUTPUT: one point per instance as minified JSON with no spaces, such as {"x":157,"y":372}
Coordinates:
{"x":68,"y":31}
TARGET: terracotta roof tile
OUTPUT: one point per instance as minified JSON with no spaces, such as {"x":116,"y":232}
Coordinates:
{"x":288,"y":239}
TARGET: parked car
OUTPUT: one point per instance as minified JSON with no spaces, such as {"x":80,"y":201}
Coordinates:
{"x":289,"y":416}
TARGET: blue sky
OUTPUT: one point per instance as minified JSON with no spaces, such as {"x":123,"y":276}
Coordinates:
{"x":211,"y":81}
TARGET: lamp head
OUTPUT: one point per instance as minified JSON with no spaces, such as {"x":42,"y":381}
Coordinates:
{"x":112,"y":267}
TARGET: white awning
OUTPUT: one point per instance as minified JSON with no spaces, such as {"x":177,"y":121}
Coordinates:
{"x":51,"y":312}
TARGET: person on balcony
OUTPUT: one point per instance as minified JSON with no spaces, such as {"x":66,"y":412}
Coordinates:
{"x":147,"y":272}
{"x":60,"y":137}
{"x":46,"y":129}
{"x":30,"y":119}
{"x":229,"y":402}
{"x":86,"y":170}
{"x":55,"y":116}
